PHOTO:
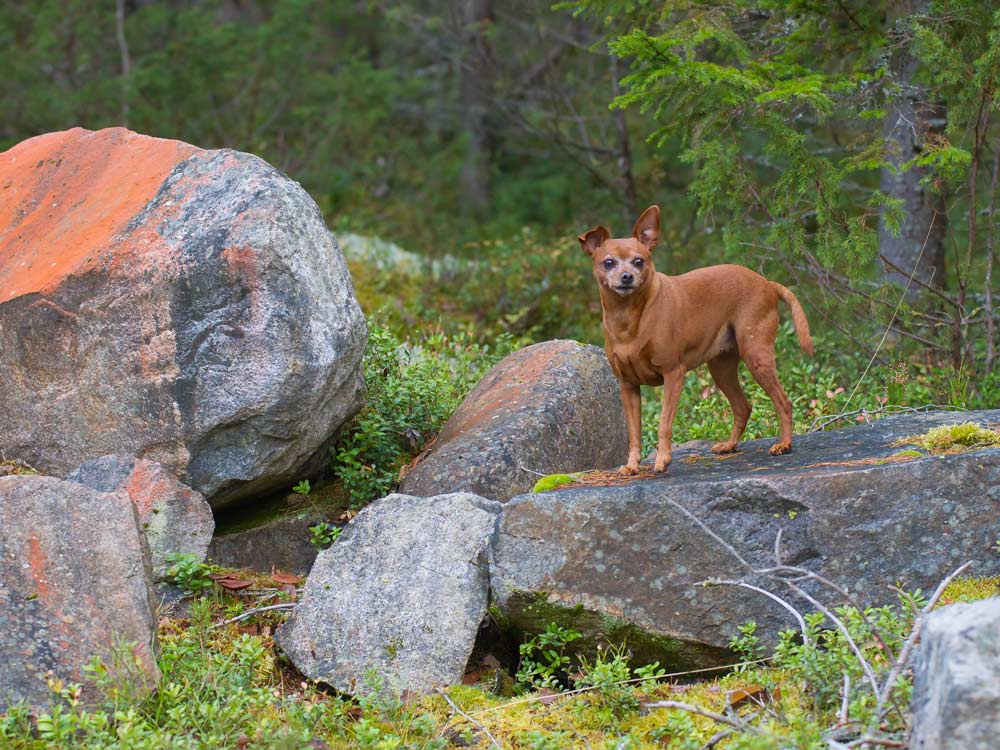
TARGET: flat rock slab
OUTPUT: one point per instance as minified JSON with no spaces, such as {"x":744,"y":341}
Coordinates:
{"x":186,"y":306}
{"x":74,"y":584}
{"x":174,"y":518}
{"x":547,"y":408}
{"x":956,"y":681}
{"x":623,"y":561}
{"x":401,"y":593}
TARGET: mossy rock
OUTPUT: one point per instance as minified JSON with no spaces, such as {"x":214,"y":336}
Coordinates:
{"x":529,"y":613}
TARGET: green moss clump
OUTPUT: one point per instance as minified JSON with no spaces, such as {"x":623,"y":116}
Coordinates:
{"x":552,"y":481}
{"x":11,"y":467}
{"x":970,"y":589}
{"x":953,"y":438}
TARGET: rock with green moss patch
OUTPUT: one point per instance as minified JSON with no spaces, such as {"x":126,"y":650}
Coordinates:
{"x":624,"y":563}
{"x":550,"y":407}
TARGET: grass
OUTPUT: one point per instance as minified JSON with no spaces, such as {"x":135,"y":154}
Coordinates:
{"x":228,"y":687}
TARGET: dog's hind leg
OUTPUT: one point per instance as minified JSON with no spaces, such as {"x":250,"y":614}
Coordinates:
{"x":725,"y":372}
{"x":760,"y":362}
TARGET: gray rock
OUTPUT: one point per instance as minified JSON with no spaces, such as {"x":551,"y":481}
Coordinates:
{"x":956,"y":686}
{"x":622,"y":562}
{"x":401,"y":593}
{"x":174,"y":518}
{"x":548,"y":408}
{"x":278,"y":544}
{"x":74,"y":583}
{"x":181,"y":305}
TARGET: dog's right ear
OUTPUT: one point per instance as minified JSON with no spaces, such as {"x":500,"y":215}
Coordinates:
{"x":647,"y":227}
{"x":593,"y":239}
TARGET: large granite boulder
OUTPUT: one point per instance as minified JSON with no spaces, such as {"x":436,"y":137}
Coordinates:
{"x":174,"y":518}
{"x":622,"y":562}
{"x":402,"y":593}
{"x":74,"y":584}
{"x":956,"y":682}
{"x":181,"y":305}
{"x":548,"y":408}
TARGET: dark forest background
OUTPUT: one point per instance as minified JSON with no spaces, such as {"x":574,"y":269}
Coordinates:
{"x":847,"y":148}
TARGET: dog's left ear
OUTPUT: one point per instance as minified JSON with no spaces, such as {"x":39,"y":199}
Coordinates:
{"x":647,"y":228}
{"x":593,"y":239}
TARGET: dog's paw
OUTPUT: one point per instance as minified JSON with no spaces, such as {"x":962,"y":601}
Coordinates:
{"x":628,"y":470}
{"x":727,"y":446}
{"x":662,"y":462}
{"x":779,"y":449}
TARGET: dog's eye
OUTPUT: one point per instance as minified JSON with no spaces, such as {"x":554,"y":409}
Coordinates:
{"x":637,"y":262}
{"x":609,"y":262}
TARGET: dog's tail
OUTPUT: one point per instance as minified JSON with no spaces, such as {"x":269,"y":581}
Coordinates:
{"x":798,"y":317}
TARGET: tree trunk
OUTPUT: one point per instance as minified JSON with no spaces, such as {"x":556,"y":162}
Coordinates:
{"x":475,"y":89}
{"x":909,"y":122}
{"x":625,"y":175}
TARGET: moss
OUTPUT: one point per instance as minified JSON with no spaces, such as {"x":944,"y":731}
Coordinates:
{"x":530,"y":612}
{"x":552,"y":481}
{"x":12,"y":466}
{"x":953,"y":438}
{"x":970,"y":589}
{"x":325,"y":502}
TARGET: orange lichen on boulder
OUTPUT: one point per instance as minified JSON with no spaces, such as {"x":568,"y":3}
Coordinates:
{"x":64,"y":196}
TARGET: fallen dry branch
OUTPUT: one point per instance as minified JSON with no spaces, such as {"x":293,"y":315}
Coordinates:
{"x":252,"y":612}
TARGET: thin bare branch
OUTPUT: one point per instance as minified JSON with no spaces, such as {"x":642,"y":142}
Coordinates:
{"x":469,"y":719}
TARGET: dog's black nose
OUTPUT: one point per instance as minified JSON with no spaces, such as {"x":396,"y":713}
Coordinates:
{"x":627,"y":278}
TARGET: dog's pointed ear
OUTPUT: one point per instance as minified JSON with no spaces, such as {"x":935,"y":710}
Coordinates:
{"x":593,"y":239}
{"x":647,"y":227}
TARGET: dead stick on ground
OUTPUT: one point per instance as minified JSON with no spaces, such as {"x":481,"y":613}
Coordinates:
{"x":252,"y":612}
{"x":468,"y":718}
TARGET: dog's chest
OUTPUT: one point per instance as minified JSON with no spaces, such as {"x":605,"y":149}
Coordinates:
{"x":632,"y":365}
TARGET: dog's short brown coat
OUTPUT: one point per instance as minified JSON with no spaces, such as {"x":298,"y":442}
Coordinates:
{"x":657,"y":327}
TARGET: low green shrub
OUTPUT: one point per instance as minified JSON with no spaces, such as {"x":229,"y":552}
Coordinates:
{"x":187,"y":571}
{"x":412,"y":387}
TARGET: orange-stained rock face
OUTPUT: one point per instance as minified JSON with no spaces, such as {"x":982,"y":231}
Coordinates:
{"x":64,"y":196}
{"x":550,"y":407}
{"x":166,"y":302}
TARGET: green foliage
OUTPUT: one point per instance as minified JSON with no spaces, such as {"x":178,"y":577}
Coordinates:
{"x":609,"y":674}
{"x":323,"y":534}
{"x":413,"y":386}
{"x":747,"y":644}
{"x":822,"y":662}
{"x":748,"y":89}
{"x":302,"y":488}
{"x":544,"y":660}
{"x":187,"y":571}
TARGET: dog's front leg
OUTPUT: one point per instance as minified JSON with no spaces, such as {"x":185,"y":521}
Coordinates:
{"x":673,"y":384}
{"x":632,"y":404}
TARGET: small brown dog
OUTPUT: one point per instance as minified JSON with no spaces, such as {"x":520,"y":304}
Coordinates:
{"x":657,"y":327}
